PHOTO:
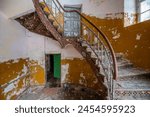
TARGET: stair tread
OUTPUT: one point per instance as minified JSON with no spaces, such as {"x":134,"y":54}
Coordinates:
{"x":124,"y":63}
{"x":119,"y":54}
{"x":132,"y":72}
{"x":133,"y":90}
{"x":132,"y":85}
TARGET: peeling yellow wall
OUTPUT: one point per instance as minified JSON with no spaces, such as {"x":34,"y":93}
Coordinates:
{"x":13,"y":78}
{"x":37,"y":76}
{"x":80,"y":72}
{"x":17,"y":75}
{"x":133,"y":40}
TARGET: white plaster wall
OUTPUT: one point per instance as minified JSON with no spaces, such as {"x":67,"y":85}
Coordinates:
{"x":13,"y":43}
{"x":14,"y":8}
{"x":69,"y":52}
{"x":17,"y":42}
{"x":98,"y":8}
{"x":36,"y":47}
{"x":39,"y":45}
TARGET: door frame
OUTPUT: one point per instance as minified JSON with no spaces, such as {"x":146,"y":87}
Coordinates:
{"x":46,"y":67}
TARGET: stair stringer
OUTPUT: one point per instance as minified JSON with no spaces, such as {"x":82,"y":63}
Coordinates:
{"x":96,"y":70}
{"x":49,"y":26}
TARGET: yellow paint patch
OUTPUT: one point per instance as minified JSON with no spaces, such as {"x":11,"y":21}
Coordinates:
{"x":80,"y":72}
{"x":11,"y":69}
{"x":124,"y":39}
{"x":37,"y":74}
{"x":13,"y":78}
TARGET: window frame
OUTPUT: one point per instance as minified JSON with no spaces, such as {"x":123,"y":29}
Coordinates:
{"x":138,"y":9}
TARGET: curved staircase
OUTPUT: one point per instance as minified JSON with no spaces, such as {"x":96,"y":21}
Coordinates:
{"x":91,"y":43}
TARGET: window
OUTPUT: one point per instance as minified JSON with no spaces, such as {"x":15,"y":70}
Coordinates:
{"x":143,"y":9}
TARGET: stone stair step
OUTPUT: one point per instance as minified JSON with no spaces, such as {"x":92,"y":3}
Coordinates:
{"x":55,"y":24}
{"x":51,"y":18}
{"x":124,"y":64}
{"x":133,"y":72}
{"x":119,"y":56}
{"x":133,"y":84}
{"x":138,"y":78}
{"x":60,"y":30}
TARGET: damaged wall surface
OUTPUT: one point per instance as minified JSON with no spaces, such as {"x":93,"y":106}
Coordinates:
{"x":13,"y":59}
{"x":22,"y":64}
{"x":22,"y":53}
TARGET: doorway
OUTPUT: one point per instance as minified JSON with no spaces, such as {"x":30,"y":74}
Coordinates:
{"x":72,"y":21}
{"x":53,"y":70}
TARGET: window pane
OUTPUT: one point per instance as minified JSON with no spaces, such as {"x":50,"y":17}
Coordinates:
{"x":145,"y":5}
{"x":145,"y":16}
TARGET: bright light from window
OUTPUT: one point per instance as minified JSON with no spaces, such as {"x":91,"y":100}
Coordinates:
{"x":144,"y":10}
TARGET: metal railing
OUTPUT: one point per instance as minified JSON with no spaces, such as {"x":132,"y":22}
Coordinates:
{"x":94,"y":39}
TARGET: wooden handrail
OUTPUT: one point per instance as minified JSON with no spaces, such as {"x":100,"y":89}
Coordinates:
{"x":102,"y":34}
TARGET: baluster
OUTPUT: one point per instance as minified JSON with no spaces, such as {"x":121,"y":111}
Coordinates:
{"x":99,"y":55}
{"x":109,"y":78}
{"x":98,"y":50}
{"x":52,"y":6}
{"x":88,"y":38}
{"x":51,"y":3}
{"x":102,"y":53}
{"x":54,"y":10}
{"x":93,"y":43}
{"x":112,"y":84}
{"x":83,"y":31}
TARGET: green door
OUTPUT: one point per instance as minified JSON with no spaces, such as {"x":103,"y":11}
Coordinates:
{"x":57,"y":66}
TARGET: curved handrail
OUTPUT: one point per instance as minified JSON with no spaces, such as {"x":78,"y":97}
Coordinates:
{"x":102,"y":34}
{"x":100,"y":42}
